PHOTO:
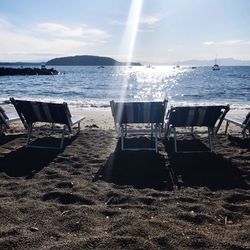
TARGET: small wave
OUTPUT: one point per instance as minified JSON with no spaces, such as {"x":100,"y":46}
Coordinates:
{"x":88,"y":104}
{"x":105,"y":104}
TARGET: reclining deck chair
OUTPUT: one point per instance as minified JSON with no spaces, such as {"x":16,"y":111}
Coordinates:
{"x":243,"y":123}
{"x":196,"y":116}
{"x":126,"y":114}
{"x":5,"y":120}
{"x":31,"y":112}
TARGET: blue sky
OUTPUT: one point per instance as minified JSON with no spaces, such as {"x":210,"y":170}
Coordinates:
{"x":168,"y":30}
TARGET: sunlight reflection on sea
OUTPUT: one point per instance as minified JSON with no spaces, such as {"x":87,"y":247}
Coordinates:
{"x":93,"y":87}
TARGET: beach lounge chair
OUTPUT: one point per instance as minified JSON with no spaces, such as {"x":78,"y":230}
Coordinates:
{"x":127,"y":114}
{"x":31,"y":113}
{"x":210,"y":117}
{"x":5,"y":121}
{"x":244,"y":123}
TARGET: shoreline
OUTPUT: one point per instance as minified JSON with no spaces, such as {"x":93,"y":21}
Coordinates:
{"x":102,"y":117}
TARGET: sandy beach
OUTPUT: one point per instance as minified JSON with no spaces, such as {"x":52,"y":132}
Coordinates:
{"x":93,"y":196}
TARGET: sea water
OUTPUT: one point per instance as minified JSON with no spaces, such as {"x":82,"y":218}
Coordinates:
{"x":93,"y":87}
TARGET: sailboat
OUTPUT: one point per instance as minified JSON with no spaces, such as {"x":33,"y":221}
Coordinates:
{"x":216,"y":66}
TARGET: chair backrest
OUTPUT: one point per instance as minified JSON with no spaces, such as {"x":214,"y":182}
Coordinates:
{"x":31,"y":111}
{"x":197,"y":116}
{"x":3,"y":118}
{"x":138,"y":112}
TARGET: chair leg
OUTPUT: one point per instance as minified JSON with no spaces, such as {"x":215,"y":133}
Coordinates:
{"x":227,"y":124}
{"x":29,"y":131}
{"x":192,"y":131}
{"x":165,"y":131}
{"x":244,"y":133}
{"x":119,"y":130}
{"x":122,"y":138}
{"x":79,"y":127}
{"x":168,"y":132}
{"x":210,"y":135}
{"x":161,"y":132}
{"x":62,"y":138}
{"x":126,"y":130}
{"x":156,"y":139}
{"x":175,"y":140}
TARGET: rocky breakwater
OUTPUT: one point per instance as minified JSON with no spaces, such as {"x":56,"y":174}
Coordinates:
{"x":4,"y":71}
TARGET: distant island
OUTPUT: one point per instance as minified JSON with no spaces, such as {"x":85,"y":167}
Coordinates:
{"x":220,"y":61}
{"x":89,"y":60}
{"x":86,"y":60}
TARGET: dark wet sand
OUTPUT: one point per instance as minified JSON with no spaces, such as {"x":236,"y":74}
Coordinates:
{"x":93,"y":196}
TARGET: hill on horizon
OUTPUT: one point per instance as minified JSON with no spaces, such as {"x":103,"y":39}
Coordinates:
{"x":87,"y":60}
{"x":220,"y":61}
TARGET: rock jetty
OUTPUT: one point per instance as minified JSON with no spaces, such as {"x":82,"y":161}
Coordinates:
{"x":27,"y":71}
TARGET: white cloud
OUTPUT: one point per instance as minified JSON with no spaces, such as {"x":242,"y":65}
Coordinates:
{"x":147,"y":20}
{"x":231,"y":42}
{"x":226,"y":42}
{"x":59,"y":30}
{"x":208,"y":43}
{"x":45,"y":39}
{"x":150,"y":20}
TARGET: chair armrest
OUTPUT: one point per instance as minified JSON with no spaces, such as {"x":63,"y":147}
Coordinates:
{"x":237,"y":122}
{"x":14,"y":119}
{"x":75,"y":119}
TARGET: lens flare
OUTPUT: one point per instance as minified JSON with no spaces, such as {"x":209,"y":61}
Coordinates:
{"x":129,"y":38}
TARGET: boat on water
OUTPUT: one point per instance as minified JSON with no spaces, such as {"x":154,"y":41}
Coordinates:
{"x":176,"y":67}
{"x":216,"y":66}
{"x":43,"y":66}
{"x":150,"y":67}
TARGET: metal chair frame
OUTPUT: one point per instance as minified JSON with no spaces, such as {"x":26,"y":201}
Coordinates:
{"x":123,"y":130}
{"x":30,"y":113}
{"x":211,"y":131}
{"x":63,"y":130}
{"x":245,"y":126}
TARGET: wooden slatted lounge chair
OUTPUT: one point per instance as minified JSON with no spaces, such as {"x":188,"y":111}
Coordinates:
{"x":244,"y":123}
{"x":126,"y":114}
{"x":31,"y":113}
{"x":210,"y":117}
{"x":5,"y":121}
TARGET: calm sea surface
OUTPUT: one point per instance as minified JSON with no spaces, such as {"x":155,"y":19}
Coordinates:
{"x":93,"y":87}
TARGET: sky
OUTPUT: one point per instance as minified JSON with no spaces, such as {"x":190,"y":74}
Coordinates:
{"x":165,"y":31}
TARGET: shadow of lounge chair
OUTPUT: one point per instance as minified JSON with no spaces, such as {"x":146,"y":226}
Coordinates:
{"x":5,"y":121}
{"x":32,"y":112}
{"x":128,"y":114}
{"x":244,"y":123}
{"x":210,"y":117}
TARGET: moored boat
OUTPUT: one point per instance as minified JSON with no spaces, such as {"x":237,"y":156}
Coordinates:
{"x":216,"y":66}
